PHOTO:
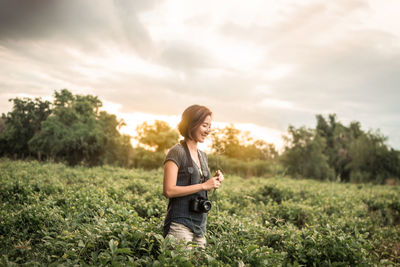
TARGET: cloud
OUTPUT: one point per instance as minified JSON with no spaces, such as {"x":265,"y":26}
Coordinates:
{"x":353,"y":69}
{"x":336,"y":68}
{"x":299,"y":23}
{"x":284,"y":68}
{"x":80,"y":23}
{"x":184,"y":56}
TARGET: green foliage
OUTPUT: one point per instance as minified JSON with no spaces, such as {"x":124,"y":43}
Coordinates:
{"x":304,"y":155}
{"x":235,"y":152}
{"x":145,"y":159}
{"x":117,"y":148}
{"x":71,"y":130}
{"x":242,"y":168}
{"x":232,"y":143}
{"x":158,"y":136}
{"x":2,"y":125}
{"x":20,"y":125}
{"x":333,"y":151}
{"x":51,"y":214}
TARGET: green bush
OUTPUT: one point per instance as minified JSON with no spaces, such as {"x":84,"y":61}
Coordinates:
{"x":146,"y":159}
{"x":243,"y":168}
{"x":51,"y":214}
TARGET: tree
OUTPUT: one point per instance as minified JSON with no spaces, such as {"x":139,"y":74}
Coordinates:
{"x":371,"y":159}
{"x":351,"y":153}
{"x":118,"y":148}
{"x":233,"y":143}
{"x":78,"y":133}
{"x":21,"y":124}
{"x":72,"y":132}
{"x":158,"y":136}
{"x":71,"y":128}
{"x":2,"y":125}
{"x":226,"y":141}
{"x":304,"y":154}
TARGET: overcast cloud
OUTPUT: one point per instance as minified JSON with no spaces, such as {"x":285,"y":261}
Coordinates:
{"x":270,"y":63}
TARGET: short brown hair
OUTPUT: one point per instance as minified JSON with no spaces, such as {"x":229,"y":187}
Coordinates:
{"x":192,"y":117}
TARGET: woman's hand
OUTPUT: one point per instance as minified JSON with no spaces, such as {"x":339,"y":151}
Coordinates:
{"x":219,"y":175}
{"x":211,"y":183}
{"x":214,"y":182}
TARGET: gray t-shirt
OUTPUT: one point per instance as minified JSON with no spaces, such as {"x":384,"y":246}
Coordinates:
{"x":177,"y":154}
{"x":178,"y":208}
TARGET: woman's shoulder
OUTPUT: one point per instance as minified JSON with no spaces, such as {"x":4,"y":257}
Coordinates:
{"x":176,"y":154}
{"x":177,"y":148}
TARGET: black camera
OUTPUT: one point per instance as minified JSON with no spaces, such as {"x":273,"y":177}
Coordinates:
{"x":200,"y":204}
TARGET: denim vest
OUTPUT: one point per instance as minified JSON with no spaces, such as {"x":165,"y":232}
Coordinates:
{"x":178,"y":207}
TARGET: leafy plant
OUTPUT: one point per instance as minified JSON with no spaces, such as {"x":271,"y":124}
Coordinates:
{"x":52,"y":214}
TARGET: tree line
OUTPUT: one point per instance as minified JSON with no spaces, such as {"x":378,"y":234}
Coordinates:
{"x":333,"y":151}
{"x":72,"y":129}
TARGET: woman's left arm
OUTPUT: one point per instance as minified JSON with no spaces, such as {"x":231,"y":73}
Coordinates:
{"x":171,"y":190}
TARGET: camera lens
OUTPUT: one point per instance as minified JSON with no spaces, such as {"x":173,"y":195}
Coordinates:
{"x":207,"y":205}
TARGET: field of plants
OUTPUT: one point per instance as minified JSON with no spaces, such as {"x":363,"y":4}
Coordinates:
{"x":51,"y":214}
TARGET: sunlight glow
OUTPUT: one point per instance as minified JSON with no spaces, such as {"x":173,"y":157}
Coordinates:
{"x":132,"y":120}
{"x":266,"y":134}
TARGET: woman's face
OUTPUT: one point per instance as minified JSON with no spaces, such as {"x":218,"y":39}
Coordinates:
{"x":203,"y":130}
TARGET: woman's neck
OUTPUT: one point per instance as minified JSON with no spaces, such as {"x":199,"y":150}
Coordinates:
{"x":192,"y":145}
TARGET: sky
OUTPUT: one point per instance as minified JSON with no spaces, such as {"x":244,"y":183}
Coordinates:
{"x":261,"y":65}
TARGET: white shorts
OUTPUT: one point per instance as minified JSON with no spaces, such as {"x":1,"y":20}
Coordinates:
{"x":182,"y":232}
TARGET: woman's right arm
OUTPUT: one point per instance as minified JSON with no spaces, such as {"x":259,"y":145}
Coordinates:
{"x":171,"y":190}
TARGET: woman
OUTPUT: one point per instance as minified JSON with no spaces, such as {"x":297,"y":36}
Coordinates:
{"x":187,"y":179}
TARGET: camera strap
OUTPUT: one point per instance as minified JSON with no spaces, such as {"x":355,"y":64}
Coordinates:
{"x":189,"y":161}
{"x":189,"y":170}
